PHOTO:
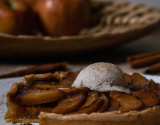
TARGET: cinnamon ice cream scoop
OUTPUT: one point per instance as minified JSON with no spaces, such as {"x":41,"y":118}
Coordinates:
{"x":102,"y":77}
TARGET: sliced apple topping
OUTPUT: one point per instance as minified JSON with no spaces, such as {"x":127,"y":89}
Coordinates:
{"x":69,"y":104}
{"x":105,"y":105}
{"x":69,"y":79}
{"x":127,"y":101}
{"x":137,"y":81}
{"x":43,"y":87}
{"x":114,"y":105}
{"x":93,"y":96}
{"x":93,"y":107}
{"x":153,"y":86}
{"x":74,"y":91}
{"x":35,"y":97}
{"x":149,"y":97}
{"x":93,"y":103}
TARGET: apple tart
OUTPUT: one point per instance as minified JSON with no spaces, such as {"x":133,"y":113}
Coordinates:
{"x":50,"y":99}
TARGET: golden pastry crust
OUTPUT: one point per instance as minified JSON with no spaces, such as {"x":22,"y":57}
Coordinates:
{"x":25,"y":120}
{"x":149,"y":116}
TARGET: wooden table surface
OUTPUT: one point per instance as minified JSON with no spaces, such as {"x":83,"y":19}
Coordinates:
{"x":116,"y":55}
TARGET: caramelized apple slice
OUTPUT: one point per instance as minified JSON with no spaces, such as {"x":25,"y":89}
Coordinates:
{"x":69,"y":79}
{"x":138,"y":82}
{"x":45,"y":82}
{"x":92,"y":96}
{"x":149,"y":97}
{"x":127,"y":101}
{"x":64,"y":79}
{"x":114,"y":95}
{"x":106,"y":103}
{"x":153,"y":86}
{"x":59,"y":75}
{"x":114,"y":105}
{"x":35,"y":97}
{"x":127,"y":77}
{"x":91,"y":108}
{"x":43,"y":87}
{"x":74,"y":91}
{"x":68,"y":105}
{"x":34,"y":111}
{"x":48,"y":87}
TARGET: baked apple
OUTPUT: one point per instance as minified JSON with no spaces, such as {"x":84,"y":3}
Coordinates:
{"x":62,"y":17}
{"x":16,"y":17}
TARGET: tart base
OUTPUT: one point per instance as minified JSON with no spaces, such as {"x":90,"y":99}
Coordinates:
{"x":25,"y":120}
{"x":149,"y":116}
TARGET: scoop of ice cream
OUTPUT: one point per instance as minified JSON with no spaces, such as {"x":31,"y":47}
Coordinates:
{"x":102,"y":77}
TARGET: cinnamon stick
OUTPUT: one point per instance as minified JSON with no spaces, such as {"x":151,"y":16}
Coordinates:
{"x":135,"y":57}
{"x":146,"y":61}
{"x":52,"y":67}
{"x":154,"y":68}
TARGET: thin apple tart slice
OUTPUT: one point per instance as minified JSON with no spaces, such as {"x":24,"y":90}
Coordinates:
{"x":50,"y":100}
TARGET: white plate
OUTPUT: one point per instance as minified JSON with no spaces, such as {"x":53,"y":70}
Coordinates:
{"x":5,"y":85}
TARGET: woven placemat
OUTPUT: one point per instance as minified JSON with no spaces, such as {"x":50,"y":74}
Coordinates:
{"x":112,"y":23}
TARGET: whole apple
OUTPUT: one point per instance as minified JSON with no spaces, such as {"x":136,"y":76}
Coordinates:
{"x":30,"y":2}
{"x":62,"y":17}
{"x":16,"y":17}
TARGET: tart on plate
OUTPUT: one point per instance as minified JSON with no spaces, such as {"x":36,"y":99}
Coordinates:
{"x":100,"y":94}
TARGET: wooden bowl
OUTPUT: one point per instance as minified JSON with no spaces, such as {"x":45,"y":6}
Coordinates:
{"x":112,"y":23}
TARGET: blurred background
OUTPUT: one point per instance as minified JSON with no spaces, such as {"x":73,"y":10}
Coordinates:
{"x":117,"y":54}
{"x":155,"y":3}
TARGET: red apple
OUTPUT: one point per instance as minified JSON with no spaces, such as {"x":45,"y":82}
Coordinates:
{"x":16,"y":17}
{"x":62,"y":17}
{"x":30,"y":2}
